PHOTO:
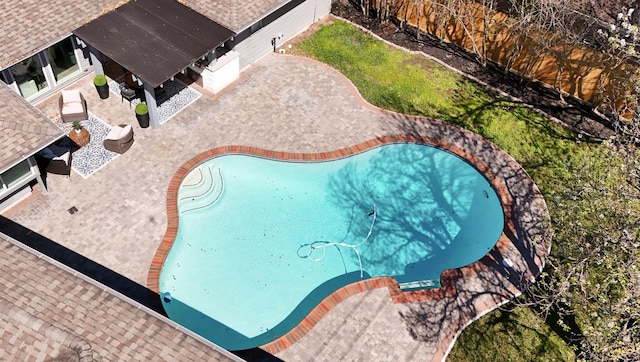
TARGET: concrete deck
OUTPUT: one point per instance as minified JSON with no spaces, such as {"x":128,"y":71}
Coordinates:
{"x":289,"y":104}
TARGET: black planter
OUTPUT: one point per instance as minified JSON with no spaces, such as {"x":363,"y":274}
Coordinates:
{"x":143,"y":120}
{"x":103,"y":91}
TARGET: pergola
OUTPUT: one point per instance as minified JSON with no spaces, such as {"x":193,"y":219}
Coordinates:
{"x":154,"y":40}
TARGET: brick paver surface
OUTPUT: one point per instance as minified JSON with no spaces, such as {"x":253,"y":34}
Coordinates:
{"x":282,"y":103}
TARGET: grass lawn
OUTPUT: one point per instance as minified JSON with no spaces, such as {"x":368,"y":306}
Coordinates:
{"x":400,"y":81}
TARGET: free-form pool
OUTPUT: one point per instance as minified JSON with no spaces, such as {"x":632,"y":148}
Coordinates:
{"x":261,"y":242}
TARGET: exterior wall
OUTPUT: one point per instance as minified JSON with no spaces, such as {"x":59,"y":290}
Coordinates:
{"x":223,"y":72}
{"x":279,"y":30}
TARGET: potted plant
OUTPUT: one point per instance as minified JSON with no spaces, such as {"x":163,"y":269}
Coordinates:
{"x":100,"y":81}
{"x":142,"y":114}
{"x":76,"y":126}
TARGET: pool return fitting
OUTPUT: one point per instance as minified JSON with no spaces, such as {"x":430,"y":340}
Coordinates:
{"x":315,"y":245}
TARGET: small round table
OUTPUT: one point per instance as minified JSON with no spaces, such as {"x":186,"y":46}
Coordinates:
{"x":81,"y":138}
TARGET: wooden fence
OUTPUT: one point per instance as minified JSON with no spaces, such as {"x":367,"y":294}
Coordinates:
{"x":580,"y":71}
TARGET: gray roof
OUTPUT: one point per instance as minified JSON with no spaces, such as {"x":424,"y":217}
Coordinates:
{"x":154,"y":39}
{"x":23,"y":129}
{"x":234,"y":14}
{"x":47,"y":312}
{"x":29,"y":26}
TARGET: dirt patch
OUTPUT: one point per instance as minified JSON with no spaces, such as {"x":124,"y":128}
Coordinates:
{"x":569,"y":111}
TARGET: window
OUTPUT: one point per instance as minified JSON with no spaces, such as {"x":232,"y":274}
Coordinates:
{"x":29,"y":76}
{"x":62,"y":59}
{"x":255,"y":27}
{"x":15,"y":175}
{"x":45,"y":69}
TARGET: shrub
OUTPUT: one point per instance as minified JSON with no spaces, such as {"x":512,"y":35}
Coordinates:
{"x":141,"y":109}
{"x":99,"y":80}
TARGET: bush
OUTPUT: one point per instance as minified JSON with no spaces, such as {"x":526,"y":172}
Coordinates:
{"x":141,"y":109}
{"x":99,"y":80}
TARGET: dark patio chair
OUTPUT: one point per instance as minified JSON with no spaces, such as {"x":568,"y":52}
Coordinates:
{"x":57,"y":159}
{"x":127,"y":93}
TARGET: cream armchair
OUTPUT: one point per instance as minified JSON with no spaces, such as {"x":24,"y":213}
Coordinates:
{"x":73,"y":106}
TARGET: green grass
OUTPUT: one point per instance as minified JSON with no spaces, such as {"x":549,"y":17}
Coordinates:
{"x":561,"y":167}
{"x":394,"y":80}
{"x":510,"y":336}
{"x":411,"y":84}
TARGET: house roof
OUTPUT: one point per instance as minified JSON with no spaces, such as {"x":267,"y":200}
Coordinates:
{"x":23,"y":129}
{"x":30,"y":26}
{"x":49,"y":313}
{"x":154,"y":39}
{"x":235,"y":14}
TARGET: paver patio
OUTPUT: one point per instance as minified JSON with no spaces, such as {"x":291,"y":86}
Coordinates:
{"x":282,"y":103}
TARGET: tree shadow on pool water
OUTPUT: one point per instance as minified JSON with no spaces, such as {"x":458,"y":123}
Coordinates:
{"x":428,"y":207}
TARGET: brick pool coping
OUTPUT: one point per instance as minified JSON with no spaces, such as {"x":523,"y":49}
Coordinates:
{"x":448,"y":277}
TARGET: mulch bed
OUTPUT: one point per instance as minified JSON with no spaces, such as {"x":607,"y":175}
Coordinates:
{"x":571,"y":112}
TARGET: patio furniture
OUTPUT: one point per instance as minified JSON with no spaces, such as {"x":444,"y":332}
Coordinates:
{"x":159,"y":92}
{"x":58,"y":159}
{"x":127,"y":93}
{"x":81,"y":137}
{"x":73,"y":106}
{"x":119,"y":139}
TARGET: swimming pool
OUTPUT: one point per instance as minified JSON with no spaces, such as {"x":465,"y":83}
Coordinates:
{"x":261,"y":242}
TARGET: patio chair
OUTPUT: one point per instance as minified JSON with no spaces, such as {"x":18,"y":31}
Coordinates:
{"x":73,"y":106}
{"x":127,"y":93}
{"x":119,"y":139}
{"x":57,"y":159}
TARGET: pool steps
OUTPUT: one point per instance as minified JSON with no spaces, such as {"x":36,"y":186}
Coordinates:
{"x":201,"y":190}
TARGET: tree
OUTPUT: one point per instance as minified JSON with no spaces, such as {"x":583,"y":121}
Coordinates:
{"x":590,"y":286}
{"x":464,"y":15}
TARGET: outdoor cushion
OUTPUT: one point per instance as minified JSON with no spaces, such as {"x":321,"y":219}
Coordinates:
{"x":70,"y":108}
{"x":64,"y":157}
{"x":119,"y":139}
{"x":117,"y":133}
{"x":47,"y":153}
{"x":72,"y":95}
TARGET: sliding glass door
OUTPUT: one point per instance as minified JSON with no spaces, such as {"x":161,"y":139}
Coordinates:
{"x":62,"y":59}
{"x":29,"y":76}
{"x":46,"y":69}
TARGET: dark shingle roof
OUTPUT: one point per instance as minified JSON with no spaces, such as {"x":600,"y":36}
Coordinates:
{"x":23,"y":129}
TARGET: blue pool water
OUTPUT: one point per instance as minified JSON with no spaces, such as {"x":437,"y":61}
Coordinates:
{"x":261,"y":242}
